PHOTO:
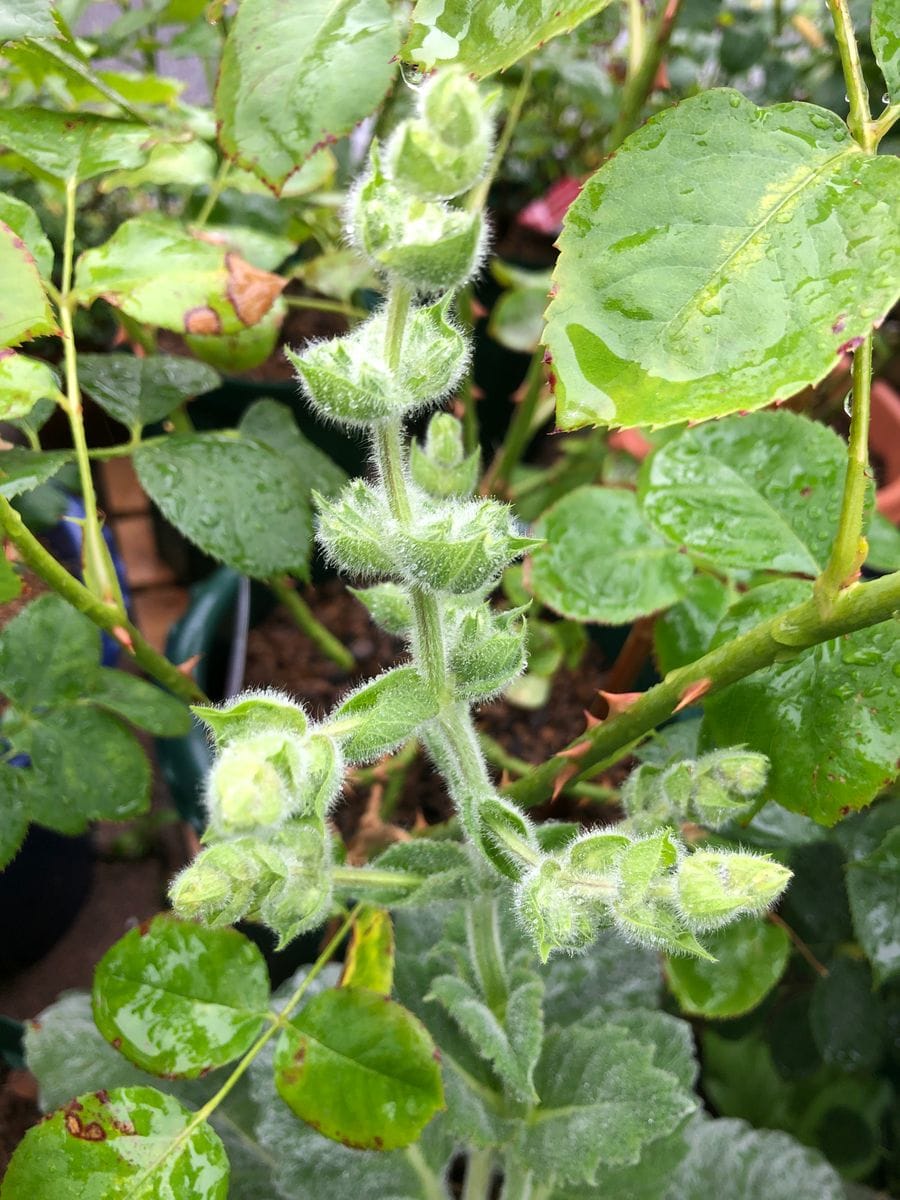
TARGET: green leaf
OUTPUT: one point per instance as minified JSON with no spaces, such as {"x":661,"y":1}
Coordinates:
{"x":141,"y":703}
{"x":273,"y":424}
{"x":25,"y":223}
{"x":517,"y":319}
{"x":836,"y":765}
{"x":723,"y":285}
{"x":48,"y":653}
{"x":884,"y":544}
{"x":369,"y":961}
{"x":489,"y":35}
{"x":682,"y":634}
{"x":134,"y":1142}
{"x":233,"y":497}
{"x":885,"y":34}
{"x":276,"y":100}
{"x":23,"y":382}
{"x":601,"y":562}
{"x":13,"y":813}
{"x":359,"y":1068}
{"x":597,"y":1087}
{"x":178,"y":999}
{"x":236,"y":352}
{"x":139,"y":391}
{"x":846,"y":1017}
{"x":875,"y":905}
{"x":24,"y":470}
{"x":204,"y":289}
{"x":751,"y":956}
{"x":611,"y":975}
{"x":10,"y":580}
{"x":24,"y":308}
{"x":761,"y":492}
{"x":68,"y":146}
{"x":26,"y":19}
{"x":731,"y":1161}
{"x":389,"y":606}
{"x":383,"y":713}
{"x":172,"y":164}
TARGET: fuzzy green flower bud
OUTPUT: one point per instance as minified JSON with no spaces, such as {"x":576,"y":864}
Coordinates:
{"x":249,"y":786}
{"x":300,"y":897}
{"x":596,"y":852}
{"x":489,"y":651}
{"x":356,"y":530}
{"x":558,"y":916}
{"x":348,"y":380}
{"x":425,"y":244}
{"x":715,"y":886}
{"x":441,"y":468}
{"x":218,"y":887}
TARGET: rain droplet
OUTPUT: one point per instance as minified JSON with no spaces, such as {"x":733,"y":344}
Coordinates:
{"x":848,"y":404}
{"x":885,"y":99}
{"x":735,"y":101}
{"x":820,"y":122}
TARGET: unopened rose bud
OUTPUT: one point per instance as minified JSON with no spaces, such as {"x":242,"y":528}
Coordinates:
{"x":716,"y":886}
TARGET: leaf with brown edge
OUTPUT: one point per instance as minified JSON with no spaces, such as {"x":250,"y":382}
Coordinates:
{"x":24,"y":308}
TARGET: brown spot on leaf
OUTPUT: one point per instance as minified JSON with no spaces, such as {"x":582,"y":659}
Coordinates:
{"x":93,"y":1131}
{"x":379,"y":1142}
{"x":117,"y":1043}
{"x":202,"y":319}
{"x":102,"y":1096}
{"x":252,"y":292}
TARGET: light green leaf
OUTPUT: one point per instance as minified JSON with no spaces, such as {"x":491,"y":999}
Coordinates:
{"x":822,"y":764}
{"x":601,"y":562}
{"x":134,"y":1142}
{"x":885,"y":34}
{"x":517,"y":319}
{"x":262,"y":247}
{"x":703,"y":269}
{"x":884,"y":544}
{"x":234,"y":498}
{"x":489,"y":35}
{"x":731,"y":1161}
{"x":170,"y":164}
{"x":597,"y":1087}
{"x":23,"y":382}
{"x":10,"y":580}
{"x":383,"y":713}
{"x":24,"y":222}
{"x":139,"y":391}
{"x":761,"y":492}
{"x":26,"y":19}
{"x":359,"y":1068}
{"x":24,"y":470}
{"x":24,"y":308}
{"x":69,"y":146}
{"x":682,"y":634}
{"x":751,"y":956}
{"x":141,"y":703}
{"x":48,"y":654}
{"x":276,"y":99}
{"x":236,"y":352}
{"x":204,"y":289}
{"x":369,"y":960}
{"x":178,"y":999}
{"x":875,"y":905}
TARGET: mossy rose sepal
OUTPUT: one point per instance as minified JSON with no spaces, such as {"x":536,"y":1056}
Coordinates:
{"x":489,"y":651}
{"x":251,"y":784}
{"x":441,"y":467}
{"x":559,"y":916}
{"x":252,"y":712}
{"x":357,"y":531}
{"x":348,"y":380}
{"x":716,"y":886}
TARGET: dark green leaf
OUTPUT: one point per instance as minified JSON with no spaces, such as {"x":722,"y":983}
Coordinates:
{"x":69,"y":146}
{"x":48,"y":653}
{"x":24,"y":222}
{"x":694,"y":297}
{"x":178,"y":999}
{"x":846,"y":1017}
{"x":875,"y":905}
{"x":384,"y":713}
{"x":683,"y":633}
{"x":761,"y":492}
{"x":751,"y":957}
{"x":359,"y":1068}
{"x":13,"y":813}
{"x":134,"y":1142}
{"x":24,"y":470}
{"x":141,"y":703}
{"x":24,"y":308}
{"x":822,"y":763}
{"x":601,"y":562}
{"x":886,"y":44}
{"x":276,"y":98}
{"x":273,"y":424}
{"x":490,"y":35}
{"x":138,"y":391}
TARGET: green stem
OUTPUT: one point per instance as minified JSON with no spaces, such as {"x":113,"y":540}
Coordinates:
{"x":886,"y":122}
{"x":466,"y":315}
{"x":486,"y":952}
{"x":850,"y":547}
{"x":57,"y":577}
{"x":319,"y":304}
{"x":639,"y":86}
{"x":636,"y":36}
{"x":306,"y":620}
{"x":353,"y":880}
{"x":399,"y":302}
{"x":771,"y":641}
{"x":479,"y":1174}
{"x":499,"y":757}
{"x":434,"y":1189}
{"x":215,"y":191}
{"x":859,"y":119}
{"x":520,"y":432}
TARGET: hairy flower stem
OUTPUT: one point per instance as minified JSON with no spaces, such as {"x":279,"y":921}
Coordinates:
{"x":486,"y":952}
{"x":479,"y":1175}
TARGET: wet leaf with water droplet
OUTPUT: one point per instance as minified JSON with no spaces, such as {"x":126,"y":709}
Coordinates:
{"x":875,"y":905}
{"x":750,"y":958}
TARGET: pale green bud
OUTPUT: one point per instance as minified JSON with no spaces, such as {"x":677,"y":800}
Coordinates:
{"x":441,"y":468}
{"x":348,"y":380}
{"x":425,"y":244}
{"x":461,"y":546}
{"x":715,"y":886}
{"x":300,"y":898}
{"x":489,"y":651}
{"x":389,"y":606}
{"x":249,"y":786}
{"x":253,"y":712}
{"x":742,"y":771}
{"x":556,"y":916}
{"x":356,"y":530}
{"x":218,"y":887}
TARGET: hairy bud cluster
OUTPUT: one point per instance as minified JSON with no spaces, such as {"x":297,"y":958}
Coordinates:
{"x":268,"y":849}
{"x":709,"y":791}
{"x":649,"y":888}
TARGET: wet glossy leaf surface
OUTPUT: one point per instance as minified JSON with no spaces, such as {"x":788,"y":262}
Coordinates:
{"x":24,"y":222}
{"x":725,"y":285}
{"x":489,"y":35}
{"x":826,"y":718}
{"x":886,"y":43}
{"x":138,"y":391}
{"x":24,"y":470}
{"x":69,"y":146}
{"x":359,"y":1068}
{"x":761,"y":492}
{"x":875,"y":905}
{"x":205,"y":289}
{"x":23,"y":382}
{"x":602,"y":562}
{"x":46,"y":653}
{"x":24,"y":308}
{"x":276,"y":99}
{"x":178,"y":999}
{"x":273,"y":424}
{"x":846,"y":1017}
{"x":130,"y":1142}
{"x":751,"y":957}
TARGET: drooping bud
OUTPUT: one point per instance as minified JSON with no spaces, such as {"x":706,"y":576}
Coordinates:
{"x":348,"y":379}
{"x":489,"y":651}
{"x":252,"y":783}
{"x":710,"y":790}
{"x":558,"y":916}
{"x":356,"y":530}
{"x":441,"y":468}
{"x":714,"y":886}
